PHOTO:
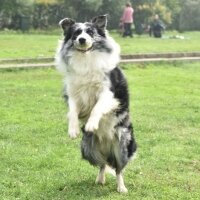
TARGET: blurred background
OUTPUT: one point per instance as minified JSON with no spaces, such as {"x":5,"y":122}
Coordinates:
{"x":23,"y":15}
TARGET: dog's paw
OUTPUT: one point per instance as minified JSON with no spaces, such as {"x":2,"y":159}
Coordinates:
{"x":122,"y":189}
{"x":73,"y":133}
{"x":92,"y":124}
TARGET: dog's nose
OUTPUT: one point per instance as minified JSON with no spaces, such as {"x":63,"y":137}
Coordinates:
{"x":82,"y":40}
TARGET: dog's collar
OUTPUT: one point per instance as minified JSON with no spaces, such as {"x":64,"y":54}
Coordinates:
{"x":84,"y":51}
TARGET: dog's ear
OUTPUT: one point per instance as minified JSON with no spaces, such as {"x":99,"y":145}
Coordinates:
{"x":66,"y":23}
{"x":100,"y":21}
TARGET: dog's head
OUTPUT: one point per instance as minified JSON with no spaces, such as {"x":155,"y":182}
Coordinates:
{"x":86,"y":36}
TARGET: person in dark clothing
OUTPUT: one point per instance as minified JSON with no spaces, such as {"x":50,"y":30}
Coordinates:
{"x":156,"y":27}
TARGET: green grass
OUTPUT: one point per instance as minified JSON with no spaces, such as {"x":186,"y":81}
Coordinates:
{"x":39,"y":161}
{"x":145,"y":44}
{"x":44,"y":45}
{"x":27,"y":46}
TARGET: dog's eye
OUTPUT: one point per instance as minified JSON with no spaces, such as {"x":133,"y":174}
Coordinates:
{"x":89,"y":31}
{"x":78,"y":32}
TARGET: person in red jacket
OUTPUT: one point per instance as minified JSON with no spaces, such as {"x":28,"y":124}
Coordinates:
{"x":127,"y":19}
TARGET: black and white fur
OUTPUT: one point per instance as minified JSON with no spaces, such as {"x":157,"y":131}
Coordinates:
{"x":97,"y":95}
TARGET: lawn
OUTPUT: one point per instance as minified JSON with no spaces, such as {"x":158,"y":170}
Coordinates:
{"x":39,"y":161}
{"x":31,"y":45}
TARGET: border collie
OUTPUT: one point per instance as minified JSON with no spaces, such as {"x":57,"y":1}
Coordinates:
{"x":97,"y":95}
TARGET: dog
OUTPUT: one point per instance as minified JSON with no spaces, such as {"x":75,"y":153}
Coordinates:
{"x":97,"y":95}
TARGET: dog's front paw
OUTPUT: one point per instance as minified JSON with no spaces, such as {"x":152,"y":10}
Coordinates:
{"x":73,"y":132}
{"x":92,"y":124}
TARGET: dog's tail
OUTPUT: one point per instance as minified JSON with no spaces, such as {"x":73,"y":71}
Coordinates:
{"x":110,"y":170}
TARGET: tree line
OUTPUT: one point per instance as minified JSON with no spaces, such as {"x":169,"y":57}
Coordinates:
{"x":41,"y":14}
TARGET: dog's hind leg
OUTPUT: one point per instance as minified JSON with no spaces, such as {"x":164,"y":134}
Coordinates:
{"x":120,"y":183}
{"x":101,"y":179}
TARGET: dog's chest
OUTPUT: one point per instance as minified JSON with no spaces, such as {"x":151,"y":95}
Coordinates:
{"x":86,"y":80}
{"x":85,"y":90}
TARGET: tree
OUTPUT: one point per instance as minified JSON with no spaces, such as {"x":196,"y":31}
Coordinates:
{"x":175,"y":7}
{"x":114,"y":9}
{"x":47,"y":13}
{"x":84,"y":10}
{"x":11,"y":10}
{"x":146,"y":9}
{"x":189,"y":16}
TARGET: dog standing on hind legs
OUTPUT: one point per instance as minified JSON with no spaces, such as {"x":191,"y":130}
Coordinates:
{"x":97,"y":95}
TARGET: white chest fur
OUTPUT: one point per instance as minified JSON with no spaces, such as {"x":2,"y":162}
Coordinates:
{"x":85,"y":80}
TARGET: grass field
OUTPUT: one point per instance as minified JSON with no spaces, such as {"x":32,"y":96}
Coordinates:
{"x":44,"y":45}
{"x":39,"y":161}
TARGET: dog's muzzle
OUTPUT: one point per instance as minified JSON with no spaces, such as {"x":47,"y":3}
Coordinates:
{"x":83,"y":45}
